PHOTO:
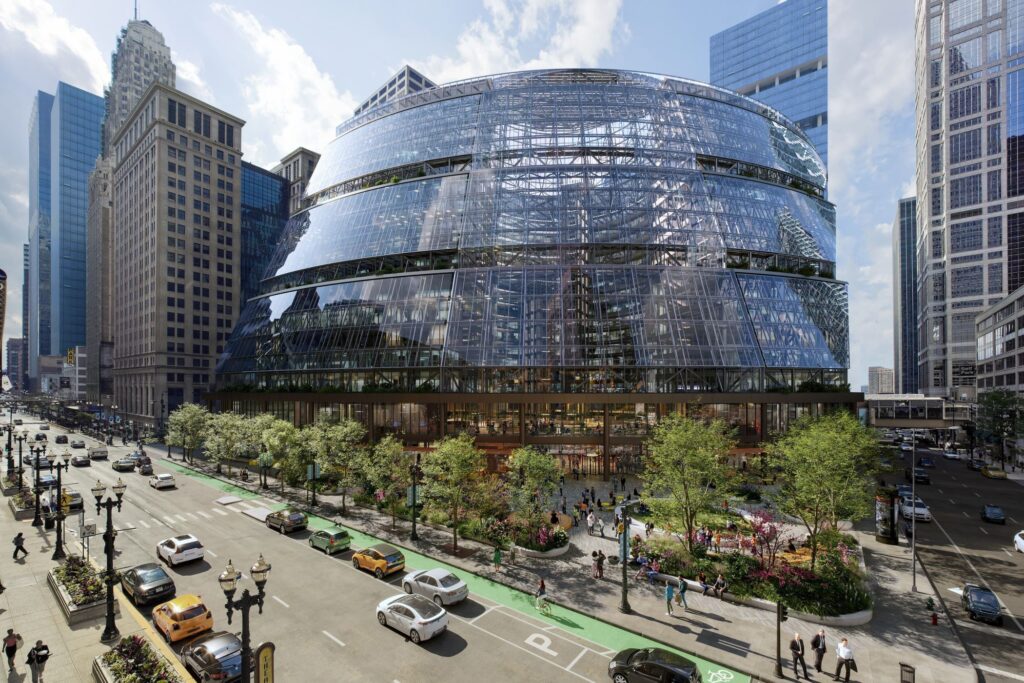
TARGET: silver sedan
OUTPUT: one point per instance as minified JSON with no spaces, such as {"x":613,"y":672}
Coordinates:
{"x":439,"y":585}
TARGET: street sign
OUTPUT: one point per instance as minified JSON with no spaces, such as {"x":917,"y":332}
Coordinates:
{"x":265,"y":663}
{"x":312,"y":472}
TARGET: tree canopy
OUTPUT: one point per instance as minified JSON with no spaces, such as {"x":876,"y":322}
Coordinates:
{"x":187,"y":428}
{"x":450,"y":470}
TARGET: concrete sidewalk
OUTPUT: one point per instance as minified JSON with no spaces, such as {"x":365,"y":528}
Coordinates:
{"x":739,"y":637}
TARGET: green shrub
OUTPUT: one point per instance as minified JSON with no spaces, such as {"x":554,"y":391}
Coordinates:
{"x":133,"y":661}
{"x":80,"y":580}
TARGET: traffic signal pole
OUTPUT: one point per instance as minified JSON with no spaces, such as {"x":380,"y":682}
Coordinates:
{"x":781,"y":614}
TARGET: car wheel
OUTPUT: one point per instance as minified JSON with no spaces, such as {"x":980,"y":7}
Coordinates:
{"x":167,"y":637}
{"x":414,"y":636}
{"x":381,"y":619}
{"x":379,"y":573}
{"x":438,"y":601}
{"x":407,"y":588}
{"x":355,"y":563}
{"x":620,"y":678}
{"x":971,"y":615}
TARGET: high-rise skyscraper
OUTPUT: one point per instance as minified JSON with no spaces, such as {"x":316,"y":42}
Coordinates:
{"x":970,"y":242}
{"x":880,"y":380}
{"x":780,"y":57}
{"x":74,"y":145}
{"x":177,"y":250}
{"x":297,"y":168}
{"x":141,"y":59}
{"x":264,"y":213}
{"x":904,"y":295}
{"x":38,"y":285}
{"x":407,"y":81}
{"x":15,"y":357}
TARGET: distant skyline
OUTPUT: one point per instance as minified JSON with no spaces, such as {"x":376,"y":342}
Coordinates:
{"x":294,"y":74}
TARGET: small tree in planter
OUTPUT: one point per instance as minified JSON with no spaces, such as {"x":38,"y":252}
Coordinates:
{"x":533,"y":480}
{"x":388,"y":471}
{"x":768,"y":535}
{"x":133,"y":660}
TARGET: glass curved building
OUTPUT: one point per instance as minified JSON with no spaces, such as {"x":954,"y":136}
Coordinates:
{"x":554,"y":257}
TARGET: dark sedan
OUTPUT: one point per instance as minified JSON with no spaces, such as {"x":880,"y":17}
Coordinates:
{"x":993,"y":513}
{"x":981,"y":604}
{"x":123,"y":465}
{"x":925,"y":461}
{"x":652,"y":664}
{"x":920,"y":476}
{"x":146,"y":583}
{"x":216,"y":656}
{"x":975,"y":464}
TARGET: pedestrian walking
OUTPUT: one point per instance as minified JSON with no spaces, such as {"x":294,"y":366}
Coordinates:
{"x":670,"y":593}
{"x":575,"y":516}
{"x":819,"y":647}
{"x":36,"y":661}
{"x":796,"y":648}
{"x":12,"y":641}
{"x":622,"y":481}
{"x":599,"y":523}
{"x":844,"y":659}
{"x":591,"y":518}
{"x":593,"y":494}
{"x":600,"y":564}
{"x":718,"y":541}
{"x":497,"y":558}
{"x":593,"y":564}
{"x":511,"y":553}
{"x":681,"y":593}
{"x":19,"y":544}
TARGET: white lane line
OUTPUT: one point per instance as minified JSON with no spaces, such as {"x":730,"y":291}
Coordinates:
{"x":1013,"y":520}
{"x":983,"y":530}
{"x":156,"y":521}
{"x":220,"y":512}
{"x":1008,"y":553}
{"x":964,"y":514}
{"x":181,"y":518}
{"x":482,"y":614}
{"x":169,"y":519}
{"x":280,"y":601}
{"x":952,"y":501}
{"x":1000,"y":672}
{"x":977,"y":494}
{"x":204,"y":515}
{"x":577,"y":658}
{"x":939,"y":490}
{"x":142,"y":522}
{"x":211,"y":553}
{"x":333,"y":638}
{"x":191,"y":516}
{"x":963,"y":484}
{"x":977,"y":574}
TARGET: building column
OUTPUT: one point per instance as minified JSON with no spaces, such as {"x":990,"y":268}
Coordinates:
{"x":607,"y":457}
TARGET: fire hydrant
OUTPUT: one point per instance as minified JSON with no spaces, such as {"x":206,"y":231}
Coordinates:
{"x":935,"y":619}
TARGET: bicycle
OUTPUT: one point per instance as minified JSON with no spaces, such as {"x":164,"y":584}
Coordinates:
{"x":542,"y":605}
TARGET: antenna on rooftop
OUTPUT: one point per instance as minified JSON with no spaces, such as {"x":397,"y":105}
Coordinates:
{"x":136,"y":3}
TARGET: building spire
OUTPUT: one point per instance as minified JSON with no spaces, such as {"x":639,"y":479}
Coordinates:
{"x":136,"y":3}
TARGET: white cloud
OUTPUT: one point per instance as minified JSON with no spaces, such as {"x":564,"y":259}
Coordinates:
{"x":290,"y":101}
{"x":55,"y":37}
{"x":188,"y":78}
{"x":573,"y":33}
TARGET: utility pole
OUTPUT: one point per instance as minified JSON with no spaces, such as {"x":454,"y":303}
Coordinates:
{"x":913,"y":514}
{"x":781,"y":615}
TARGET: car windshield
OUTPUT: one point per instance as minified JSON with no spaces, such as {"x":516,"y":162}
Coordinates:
{"x":639,"y":656}
{"x":985,"y":598}
{"x":192,"y":612}
{"x":449,"y":580}
{"x":295,"y":516}
{"x":151,"y":575}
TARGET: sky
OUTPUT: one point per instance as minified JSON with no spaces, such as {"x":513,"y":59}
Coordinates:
{"x":294,"y":71}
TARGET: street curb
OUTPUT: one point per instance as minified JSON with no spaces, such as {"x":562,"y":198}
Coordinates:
{"x":310,"y":511}
{"x":952,"y":623}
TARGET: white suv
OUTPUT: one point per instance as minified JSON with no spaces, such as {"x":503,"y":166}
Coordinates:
{"x":180,"y":549}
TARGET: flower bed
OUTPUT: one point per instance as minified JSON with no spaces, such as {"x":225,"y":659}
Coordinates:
{"x":80,"y":580}
{"x":134,"y":660}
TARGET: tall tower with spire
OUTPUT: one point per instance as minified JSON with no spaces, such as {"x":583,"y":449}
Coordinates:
{"x":140,"y":59}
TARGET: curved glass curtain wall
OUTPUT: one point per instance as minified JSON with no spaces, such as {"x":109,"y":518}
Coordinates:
{"x":556,"y":231}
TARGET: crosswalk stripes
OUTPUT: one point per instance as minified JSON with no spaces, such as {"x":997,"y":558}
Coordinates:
{"x":180,"y":518}
{"x":168,"y":519}
{"x":143,"y":524}
{"x":220,"y":512}
{"x":191,"y":516}
{"x":156,"y":521}
{"x":203,"y":514}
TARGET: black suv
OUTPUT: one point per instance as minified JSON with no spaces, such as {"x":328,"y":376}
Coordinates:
{"x":981,"y":604}
{"x":652,"y":665}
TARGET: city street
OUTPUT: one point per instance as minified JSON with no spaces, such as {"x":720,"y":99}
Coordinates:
{"x":958,"y":547}
{"x":320,"y":611}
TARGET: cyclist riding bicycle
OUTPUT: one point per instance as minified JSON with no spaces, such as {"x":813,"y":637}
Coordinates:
{"x":541,"y":600}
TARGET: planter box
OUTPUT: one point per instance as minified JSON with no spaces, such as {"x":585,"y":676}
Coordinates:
{"x":27,"y":513}
{"x":11,"y":490}
{"x":100,"y":672}
{"x":77,"y":614}
{"x":542,"y":554}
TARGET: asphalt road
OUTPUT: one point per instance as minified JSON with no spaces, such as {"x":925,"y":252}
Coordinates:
{"x":957,"y":547}
{"x":320,"y":611}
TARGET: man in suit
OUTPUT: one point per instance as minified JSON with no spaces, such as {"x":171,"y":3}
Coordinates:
{"x":818,"y":645}
{"x":796,"y":648}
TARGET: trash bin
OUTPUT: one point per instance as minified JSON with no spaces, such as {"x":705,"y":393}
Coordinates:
{"x":48,"y":523}
{"x":907,"y":673}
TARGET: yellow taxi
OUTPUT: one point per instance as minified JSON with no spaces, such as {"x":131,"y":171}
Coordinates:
{"x":993,"y":473}
{"x":182,"y":617}
{"x":381,"y":559}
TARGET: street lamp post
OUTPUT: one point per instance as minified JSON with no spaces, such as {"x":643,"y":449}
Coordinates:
{"x":21,"y":437}
{"x":58,"y":550}
{"x":110,"y":632}
{"x":228,"y":580}
{"x":624,"y":606}
{"x":10,"y":430}
{"x":415,"y":472}
{"x":913,"y":514}
{"x":9,"y":451}
{"x":37,"y":452}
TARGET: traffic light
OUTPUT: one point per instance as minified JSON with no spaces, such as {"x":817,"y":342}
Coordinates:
{"x":783,"y":612}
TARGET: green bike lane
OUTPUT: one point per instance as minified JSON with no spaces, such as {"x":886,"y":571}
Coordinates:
{"x":544,"y":631}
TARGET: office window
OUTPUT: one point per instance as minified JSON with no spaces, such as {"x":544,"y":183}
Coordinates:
{"x":965,"y":101}
{"x":962,"y":147}
{"x":965,"y":236}
{"x":995,"y":186}
{"x":935,"y":116}
{"x":936,"y":244}
{"x":964,"y":191}
{"x":995,"y":139}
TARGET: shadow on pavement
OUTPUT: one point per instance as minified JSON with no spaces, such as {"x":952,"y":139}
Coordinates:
{"x":467,"y":609}
{"x":447,"y":644}
{"x":192,"y":568}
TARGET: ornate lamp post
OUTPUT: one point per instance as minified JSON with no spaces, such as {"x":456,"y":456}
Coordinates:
{"x":61,"y":464}
{"x":9,"y":450}
{"x":110,"y":632}
{"x":415,"y":473}
{"x":21,"y":437}
{"x":228,"y":583}
{"x":37,"y":452}
{"x":624,"y":605}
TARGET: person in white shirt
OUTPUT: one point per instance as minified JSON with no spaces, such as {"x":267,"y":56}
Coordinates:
{"x":844,"y":659}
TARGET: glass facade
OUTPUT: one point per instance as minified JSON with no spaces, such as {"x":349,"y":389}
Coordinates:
{"x":904,"y":254}
{"x":551,"y":234}
{"x":264,"y":215}
{"x":75,"y":142}
{"x":780,"y":57}
{"x":37,"y":310}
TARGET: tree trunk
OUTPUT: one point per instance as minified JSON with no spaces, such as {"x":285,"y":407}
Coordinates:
{"x":455,"y":531}
{"x":343,"y":508}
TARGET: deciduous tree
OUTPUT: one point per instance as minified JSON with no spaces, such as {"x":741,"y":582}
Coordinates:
{"x":449,"y":473}
{"x":388,"y":472}
{"x":534,"y":479}
{"x":187,"y":428}
{"x":340,"y":451}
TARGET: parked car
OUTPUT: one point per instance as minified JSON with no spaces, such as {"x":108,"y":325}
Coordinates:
{"x":43,"y":427}
{"x":981,"y":604}
{"x":333,"y":540}
{"x":61,"y":438}
{"x":78,"y":443}
{"x":976,"y":464}
{"x":950,"y":455}
{"x":287,"y":520}
{"x":214,"y":656}
{"x":381,"y":559}
{"x":180,"y":549}
{"x":182,"y":617}
{"x":47,"y":481}
{"x":98,"y":453}
{"x":413,"y":616}
{"x":993,"y":513}
{"x":40,"y":436}
{"x":72,"y":500}
{"x":1018,"y":542}
{"x":80,"y":460}
{"x":906,"y":447}
{"x":162,"y":481}
{"x":916,"y":509}
{"x":147,"y":582}
{"x":903,"y":490}
{"x":439,"y":585}
{"x":993,"y":473}
{"x":652,"y":665}
{"x":123,"y":465}
{"x":17,"y":421}
{"x":920,"y":475}
{"x":146,"y":468}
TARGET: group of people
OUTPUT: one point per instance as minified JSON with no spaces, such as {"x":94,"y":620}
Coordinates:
{"x":37,"y":656}
{"x":597,"y":560}
{"x":819,"y":646}
{"x":711,"y":540}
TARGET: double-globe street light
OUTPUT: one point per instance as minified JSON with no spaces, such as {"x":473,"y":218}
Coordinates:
{"x":228,"y":580}
{"x":37,"y":452}
{"x":110,"y":632}
{"x":21,"y":437}
{"x":416,"y":475}
{"x":61,"y":464}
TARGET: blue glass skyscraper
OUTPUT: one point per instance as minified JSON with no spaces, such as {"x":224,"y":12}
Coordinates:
{"x":264,"y":215}
{"x":75,"y":141}
{"x":37,"y":309}
{"x":904,"y":305}
{"x":780,"y":57}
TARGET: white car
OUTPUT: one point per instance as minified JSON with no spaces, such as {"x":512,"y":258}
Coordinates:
{"x":162,"y":481}
{"x":414,"y":616}
{"x":180,"y":549}
{"x":950,"y":455}
{"x":918,"y":510}
{"x":906,"y":447}
{"x":1018,"y":542}
{"x":440,"y":585}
